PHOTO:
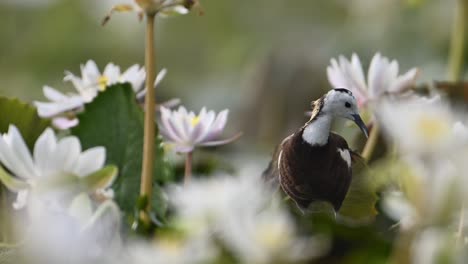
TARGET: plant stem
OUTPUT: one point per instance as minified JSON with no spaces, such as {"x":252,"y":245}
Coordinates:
{"x":149,"y":131}
{"x":188,"y":167}
{"x":371,"y":142}
{"x":460,"y":226}
{"x":457,"y":42}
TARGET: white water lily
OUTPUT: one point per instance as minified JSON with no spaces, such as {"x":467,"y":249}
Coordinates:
{"x":81,"y":232}
{"x":92,"y":80}
{"x":246,"y":216}
{"x":422,"y":127}
{"x":185,"y":130}
{"x":62,"y":108}
{"x":382,"y":77}
{"x":53,"y":161}
{"x":173,"y":250}
{"x":60,"y":104}
{"x":161,"y":7}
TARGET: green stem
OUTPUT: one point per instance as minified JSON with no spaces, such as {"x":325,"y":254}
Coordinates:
{"x":149,"y":132}
{"x":461,"y":223}
{"x":371,"y":142}
{"x":4,"y":216}
{"x":188,"y":168}
{"x":457,"y":42}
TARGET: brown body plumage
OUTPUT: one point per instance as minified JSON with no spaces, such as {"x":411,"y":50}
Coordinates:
{"x":313,"y":172}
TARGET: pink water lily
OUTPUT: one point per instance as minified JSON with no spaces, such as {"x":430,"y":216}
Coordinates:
{"x":186,"y":130}
{"x":382,"y":77}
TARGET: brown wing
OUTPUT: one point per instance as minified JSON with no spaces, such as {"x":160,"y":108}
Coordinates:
{"x":313,"y":173}
{"x":271,"y":174}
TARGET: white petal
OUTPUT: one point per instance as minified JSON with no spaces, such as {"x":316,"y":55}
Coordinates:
{"x":136,"y":76}
{"x":44,"y":150}
{"x":376,"y":76}
{"x":112,"y":72}
{"x":68,"y":152}
{"x":21,"y":200}
{"x":405,"y":81}
{"x":90,"y":160}
{"x":63,"y":123}
{"x":221,"y":142}
{"x":206,"y":123}
{"x":87,"y":90}
{"x":50,"y":109}
{"x":52,"y":94}
{"x":218,"y":125}
{"x":23,"y":165}
{"x":162,"y":73}
{"x":166,"y":115}
{"x":90,"y":72}
{"x":359,"y":83}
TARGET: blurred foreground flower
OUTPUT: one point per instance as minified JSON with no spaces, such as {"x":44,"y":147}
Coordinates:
{"x":152,"y":7}
{"x":81,"y":232}
{"x":62,"y":108}
{"x":57,"y":166}
{"x":245,"y":217}
{"x":382,"y":77}
{"x":422,"y":127}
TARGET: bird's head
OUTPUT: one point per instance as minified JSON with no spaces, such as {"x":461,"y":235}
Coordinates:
{"x":341,"y":102}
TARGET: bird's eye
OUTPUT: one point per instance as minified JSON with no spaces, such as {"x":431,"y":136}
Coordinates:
{"x":347,"y":104}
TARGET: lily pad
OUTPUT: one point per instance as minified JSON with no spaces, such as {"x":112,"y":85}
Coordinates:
{"x":115,"y":120}
{"x":24,"y":117}
{"x":359,"y":204}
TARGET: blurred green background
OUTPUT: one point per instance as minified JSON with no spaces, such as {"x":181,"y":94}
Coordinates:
{"x":265,"y":60}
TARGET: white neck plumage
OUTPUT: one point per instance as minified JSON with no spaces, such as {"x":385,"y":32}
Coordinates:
{"x":316,"y":132}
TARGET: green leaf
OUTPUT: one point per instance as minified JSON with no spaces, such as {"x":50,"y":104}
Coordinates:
{"x":11,"y":182}
{"x":24,"y":117}
{"x":359,"y":204}
{"x":115,"y":120}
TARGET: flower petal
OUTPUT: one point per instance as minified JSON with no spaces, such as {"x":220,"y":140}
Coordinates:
{"x":21,"y":200}
{"x":90,"y":161}
{"x":63,"y":123}
{"x":44,"y":150}
{"x":218,"y":125}
{"x":112,"y":73}
{"x":50,"y":109}
{"x":22,"y":163}
{"x":135,"y":76}
{"x":404,"y":82}
{"x":221,"y":142}
{"x":52,"y":94}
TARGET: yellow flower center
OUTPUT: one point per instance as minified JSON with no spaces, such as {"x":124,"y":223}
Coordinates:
{"x":271,"y":236}
{"x":432,"y":129}
{"x":195,"y":120}
{"x":171,"y":246}
{"x":102,"y":82}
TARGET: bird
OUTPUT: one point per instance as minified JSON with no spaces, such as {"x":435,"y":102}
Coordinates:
{"x":314,"y":164}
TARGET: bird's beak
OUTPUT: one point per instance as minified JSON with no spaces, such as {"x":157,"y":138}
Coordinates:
{"x":358,"y":120}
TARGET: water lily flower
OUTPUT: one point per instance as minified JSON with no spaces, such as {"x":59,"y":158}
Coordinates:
{"x":54,"y":162}
{"x":186,"y":130}
{"x":382,"y":77}
{"x":92,"y":80}
{"x":59,"y":105}
{"x":62,"y":108}
{"x":418,"y":127}
{"x":245,"y":216}
{"x":162,"y":7}
{"x":81,"y":232}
